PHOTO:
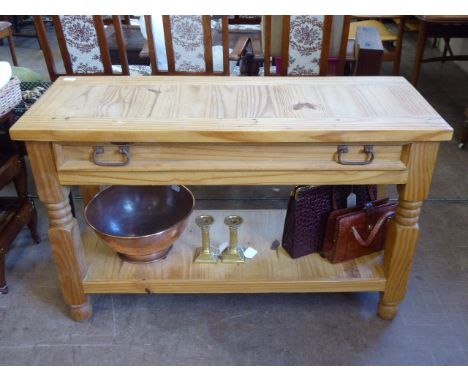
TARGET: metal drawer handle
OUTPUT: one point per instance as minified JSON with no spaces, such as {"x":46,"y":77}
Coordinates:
{"x":343,"y":149}
{"x":124,"y":150}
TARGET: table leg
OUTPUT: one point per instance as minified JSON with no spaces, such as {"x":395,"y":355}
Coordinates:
{"x":64,"y":233}
{"x":398,"y":47}
{"x":403,"y":230}
{"x":419,"y":52}
{"x":21,"y":185}
{"x":12,"y":50}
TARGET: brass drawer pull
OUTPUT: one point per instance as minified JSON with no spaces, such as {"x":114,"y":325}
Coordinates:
{"x":124,"y":150}
{"x":368,"y":149}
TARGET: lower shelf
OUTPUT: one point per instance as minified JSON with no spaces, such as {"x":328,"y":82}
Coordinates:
{"x":271,"y":271}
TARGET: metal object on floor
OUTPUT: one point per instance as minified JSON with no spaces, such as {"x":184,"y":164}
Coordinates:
{"x":206,"y":253}
{"x":233,"y":254}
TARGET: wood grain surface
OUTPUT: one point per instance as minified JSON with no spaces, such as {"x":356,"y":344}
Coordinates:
{"x":231,"y":109}
{"x":272,"y":270}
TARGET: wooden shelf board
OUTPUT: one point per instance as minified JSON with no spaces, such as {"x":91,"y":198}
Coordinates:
{"x":272,"y":270}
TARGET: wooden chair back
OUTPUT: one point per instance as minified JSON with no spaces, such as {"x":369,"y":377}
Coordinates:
{"x":305,"y":45}
{"x":189,"y":45}
{"x":82,"y":43}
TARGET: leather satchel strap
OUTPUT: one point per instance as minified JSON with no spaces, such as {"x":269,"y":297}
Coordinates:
{"x":374,"y":231}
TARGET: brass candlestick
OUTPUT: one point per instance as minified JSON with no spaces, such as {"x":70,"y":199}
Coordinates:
{"x":233,"y":254}
{"x":206,"y":253}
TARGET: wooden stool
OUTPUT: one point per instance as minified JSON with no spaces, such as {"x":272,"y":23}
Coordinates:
{"x":392,"y":42}
{"x":6,"y":31}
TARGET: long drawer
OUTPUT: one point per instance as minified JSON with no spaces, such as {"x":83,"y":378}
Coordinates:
{"x":202,"y":160}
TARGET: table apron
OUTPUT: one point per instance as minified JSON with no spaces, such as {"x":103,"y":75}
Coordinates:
{"x":238,"y":178}
{"x":446,"y":30}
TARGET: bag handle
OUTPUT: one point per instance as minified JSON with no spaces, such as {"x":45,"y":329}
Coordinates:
{"x":372,"y":195}
{"x":374,"y":231}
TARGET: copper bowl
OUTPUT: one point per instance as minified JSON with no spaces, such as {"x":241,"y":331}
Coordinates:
{"x":140,"y":223}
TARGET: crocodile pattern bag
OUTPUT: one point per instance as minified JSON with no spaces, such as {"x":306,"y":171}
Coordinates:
{"x":308,"y":211}
{"x":356,"y":232}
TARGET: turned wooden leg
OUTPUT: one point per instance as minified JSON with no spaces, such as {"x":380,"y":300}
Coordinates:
{"x":402,"y":238}
{"x":68,"y":254}
{"x":64,"y":233}
{"x":403,"y":230}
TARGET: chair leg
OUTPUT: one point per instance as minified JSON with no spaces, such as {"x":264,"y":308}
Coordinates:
{"x":21,"y":184}
{"x":447,"y":49}
{"x":3,"y":284}
{"x":72,"y":205}
{"x":12,"y":50}
{"x":20,"y":181}
{"x":419,"y":52}
{"x":32,"y":225}
{"x":398,"y":47}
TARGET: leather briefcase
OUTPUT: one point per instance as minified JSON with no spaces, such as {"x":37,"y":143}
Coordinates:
{"x":356,"y":232}
{"x":308,"y":211}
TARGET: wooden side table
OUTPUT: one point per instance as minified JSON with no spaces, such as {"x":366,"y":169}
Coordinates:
{"x":231,"y":131}
{"x":445,"y":27}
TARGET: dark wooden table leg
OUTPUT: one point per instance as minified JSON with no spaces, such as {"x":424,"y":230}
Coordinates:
{"x":12,"y":49}
{"x":398,"y":47}
{"x":419,"y":51}
{"x":3,"y":284}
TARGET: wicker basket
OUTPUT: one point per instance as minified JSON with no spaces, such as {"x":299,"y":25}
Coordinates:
{"x":10,"y":95}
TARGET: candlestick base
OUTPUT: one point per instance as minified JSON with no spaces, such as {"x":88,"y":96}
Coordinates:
{"x":206,"y":256}
{"x":233,"y":256}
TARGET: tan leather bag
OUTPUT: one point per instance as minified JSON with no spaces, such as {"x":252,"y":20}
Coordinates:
{"x":356,"y":232}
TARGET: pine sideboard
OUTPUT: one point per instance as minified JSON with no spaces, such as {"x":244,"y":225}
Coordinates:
{"x":198,"y":130}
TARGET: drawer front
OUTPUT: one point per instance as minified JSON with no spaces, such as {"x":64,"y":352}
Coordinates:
{"x":226,"y":157}
{"x":227,"y":164}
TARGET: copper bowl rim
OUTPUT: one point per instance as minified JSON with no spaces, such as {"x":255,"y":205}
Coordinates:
{"x":140,"y":236}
